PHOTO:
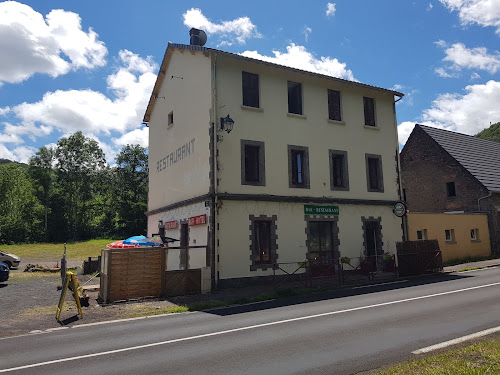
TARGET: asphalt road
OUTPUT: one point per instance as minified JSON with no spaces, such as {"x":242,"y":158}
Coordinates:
{"x":333,"y":333}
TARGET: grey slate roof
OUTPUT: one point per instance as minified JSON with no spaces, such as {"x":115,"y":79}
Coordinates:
{"x":479,"y":156}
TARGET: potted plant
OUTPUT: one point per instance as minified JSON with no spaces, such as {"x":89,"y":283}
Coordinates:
{"x":389,"y":262}
{"x":345,"y":260}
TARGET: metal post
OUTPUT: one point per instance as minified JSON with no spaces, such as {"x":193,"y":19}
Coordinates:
{"x":63,"y":265}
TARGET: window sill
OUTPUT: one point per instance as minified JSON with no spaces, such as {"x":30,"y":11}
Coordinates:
{"x":170,"y":125}
{"x":372,"y":127}
{"x":375,"y":191}
{"x":339,"y":188}
{"x":336,"y":122}
{"x":450,"y":242}
{"x":475,"y":240}
{"x":303,"y":117}
{"x":254,"y":109}
{"x":253,"y":183}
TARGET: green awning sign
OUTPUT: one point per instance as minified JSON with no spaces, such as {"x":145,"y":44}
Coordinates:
{"x":321,"y":210}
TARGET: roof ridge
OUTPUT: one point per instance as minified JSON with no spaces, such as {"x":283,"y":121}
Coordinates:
{"x":458,"y":133}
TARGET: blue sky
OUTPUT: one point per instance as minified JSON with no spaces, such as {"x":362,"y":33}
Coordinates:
{"x":90,"y":65}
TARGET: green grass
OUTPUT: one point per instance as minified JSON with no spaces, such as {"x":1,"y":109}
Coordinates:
{"x":470,"y":269}
{"x":475,"y":359}
{"x":74,"y":251}
{"x":454,"y":262}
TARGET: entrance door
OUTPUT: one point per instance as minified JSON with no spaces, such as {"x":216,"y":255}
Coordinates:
{"x":322,"y":238}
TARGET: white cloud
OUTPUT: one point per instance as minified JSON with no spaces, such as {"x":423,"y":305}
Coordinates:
{"x":5,"y":153}
{"x":23,"y":153}
{"x":468,"y":113}
{"x":474,"y":76}
{"x":472,"y":58}
{"x":443,"y":73}
{"x":138,"y":136}
{"x":10,"y":138}
{"x":481,"y":12}
{"x":20,"y":154}
{"x":430,"y":6}
{"x":397,"y":87}
{"x":298,"y":57}
{"x":404,"y":131}
{"x":239,"y":29}
{"x":330,"y":9}
{"x":4,"y":111}
{"x":90,"y":111}
{"x":31,"y":44}
{"x":307,"y":32}
{"x":441,"y":43}
{"x":406,"y":127}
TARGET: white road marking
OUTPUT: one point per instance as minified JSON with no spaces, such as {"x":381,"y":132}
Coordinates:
{"x":369,"y":286}
{"x":457,"y":340}
{"x":190,"y":338}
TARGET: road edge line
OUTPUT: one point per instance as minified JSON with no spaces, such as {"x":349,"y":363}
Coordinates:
{"x":458,"y":340}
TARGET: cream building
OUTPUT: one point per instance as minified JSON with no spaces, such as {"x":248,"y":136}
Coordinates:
{"x":309,"y":170}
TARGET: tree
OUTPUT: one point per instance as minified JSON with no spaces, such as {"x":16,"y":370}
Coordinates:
{"x":41,"y":172}
{"x":78,"y":163}
{"x":132,"y":189}
{"x":20,"y":211}
{"x":492,"y":133}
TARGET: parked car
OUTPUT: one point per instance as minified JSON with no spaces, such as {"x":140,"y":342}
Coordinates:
{"x":4,"y":272}
{"x":10,"y":260}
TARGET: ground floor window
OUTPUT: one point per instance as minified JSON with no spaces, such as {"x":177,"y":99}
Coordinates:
{"x":474,"y":234}
{"x":372,"y":236}
{"x":422,"y":234}
{"x":263,"y":242}
{"x":449,"y":235}
{"x":262,"y":232}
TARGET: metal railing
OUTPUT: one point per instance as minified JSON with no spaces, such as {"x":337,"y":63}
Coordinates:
{"x":346,"y":270}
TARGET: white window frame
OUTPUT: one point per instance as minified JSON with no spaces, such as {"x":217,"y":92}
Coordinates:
{"x":449,"y":235}
{"x":474,"y":234}
{"x":423,"y":234}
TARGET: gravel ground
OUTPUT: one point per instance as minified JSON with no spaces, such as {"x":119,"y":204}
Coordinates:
{"x":28,"y":301}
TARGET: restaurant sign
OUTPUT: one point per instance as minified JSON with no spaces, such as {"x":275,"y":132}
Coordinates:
{"x":197,"y":220}
{"x":171,"y":224}
{"x":321,"y":210}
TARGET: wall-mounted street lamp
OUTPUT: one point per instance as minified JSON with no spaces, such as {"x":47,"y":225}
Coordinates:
{"x":226,"y":123}
{"x":160,"y":223}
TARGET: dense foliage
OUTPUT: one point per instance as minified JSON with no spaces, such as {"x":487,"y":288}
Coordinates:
{"x":69,"y":193}
{"x":492,"y":133}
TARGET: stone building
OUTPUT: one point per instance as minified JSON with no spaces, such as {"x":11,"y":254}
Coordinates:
{"x":445,"y":171}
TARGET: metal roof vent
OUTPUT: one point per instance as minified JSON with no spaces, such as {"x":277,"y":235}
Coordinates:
{"x":197,"y":37}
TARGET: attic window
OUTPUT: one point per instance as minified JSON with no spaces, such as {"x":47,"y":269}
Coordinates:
{"x":450,"y":189}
